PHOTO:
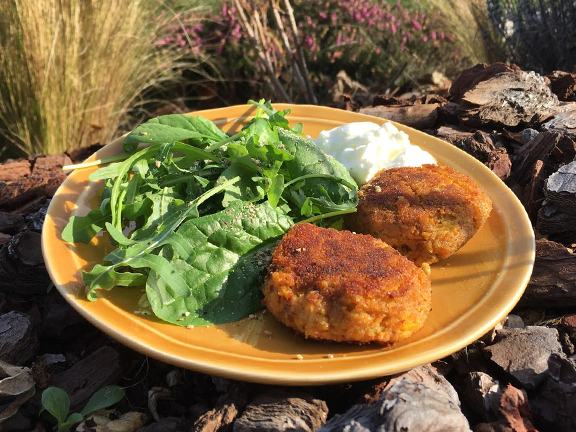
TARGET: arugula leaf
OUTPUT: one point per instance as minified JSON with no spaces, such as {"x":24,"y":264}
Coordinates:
{"x":319,"y":183}
{"x":84,"y":228}
{"x":107,"y":277}
{"x":245,"y":190}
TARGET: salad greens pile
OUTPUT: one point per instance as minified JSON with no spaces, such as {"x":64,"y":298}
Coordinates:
{"x":195,"y":212}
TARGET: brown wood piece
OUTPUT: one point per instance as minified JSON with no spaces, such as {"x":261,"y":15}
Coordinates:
{"x":99,"y":369}
{"x":417,"y":116}
{"x":553,"y":278}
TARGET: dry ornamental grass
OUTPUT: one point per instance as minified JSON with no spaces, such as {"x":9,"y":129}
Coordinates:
{"x":70,"y":70}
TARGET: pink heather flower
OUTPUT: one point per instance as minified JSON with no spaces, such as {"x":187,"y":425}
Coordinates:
{"x":322,"y":15}
{"x":377,"y":51}
{"x":402,"y":48}
{"x":224,"y":8}
{"x":416,"y":25}
{"x":393,"y":28}
{"x":339,"y":39}
{"x":441,"y":36}
{"x":424,"y":39}
{"x":433,"y":34}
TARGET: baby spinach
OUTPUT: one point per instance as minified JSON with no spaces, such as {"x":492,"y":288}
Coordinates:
{"x":194,"y":212}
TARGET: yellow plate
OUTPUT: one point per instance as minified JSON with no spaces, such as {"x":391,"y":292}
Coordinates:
{"x":472,"y":290}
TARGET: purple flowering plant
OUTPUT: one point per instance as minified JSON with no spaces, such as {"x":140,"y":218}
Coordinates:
{"x":376,"y":42}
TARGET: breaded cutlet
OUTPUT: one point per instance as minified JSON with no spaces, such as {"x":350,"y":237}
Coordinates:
{"x":427,"y":213}
{"x":340,"y":286}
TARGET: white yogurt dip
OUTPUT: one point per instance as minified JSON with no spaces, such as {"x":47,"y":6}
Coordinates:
{"x":365,"y":148}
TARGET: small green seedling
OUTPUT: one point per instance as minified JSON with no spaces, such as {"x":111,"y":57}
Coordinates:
{"x":56,"y":402}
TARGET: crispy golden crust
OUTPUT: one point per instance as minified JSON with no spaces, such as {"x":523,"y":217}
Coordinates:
{"x":340,"y":286}
{"x":427,"y":213}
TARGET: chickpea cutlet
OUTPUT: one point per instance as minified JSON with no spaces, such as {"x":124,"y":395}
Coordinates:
{"x":427,"y":213}
{"x":341,"y":286}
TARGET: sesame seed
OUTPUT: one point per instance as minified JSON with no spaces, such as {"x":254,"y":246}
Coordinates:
{"x":190,"y":326}
{"x":299,"y":357}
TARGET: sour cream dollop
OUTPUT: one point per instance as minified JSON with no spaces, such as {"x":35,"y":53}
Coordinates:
{"x":365,"y":148}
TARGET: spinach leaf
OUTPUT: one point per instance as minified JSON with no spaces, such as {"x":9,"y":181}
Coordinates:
{"x":172,"y":128}
{"x":229,"y":250}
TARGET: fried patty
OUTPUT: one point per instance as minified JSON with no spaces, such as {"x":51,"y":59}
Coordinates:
{"x":340,"y":286}
{"x":427,"y":213}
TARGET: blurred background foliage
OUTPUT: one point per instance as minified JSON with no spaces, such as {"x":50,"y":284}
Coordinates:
{"x":79,"y":72}
{"x":538,"y":35}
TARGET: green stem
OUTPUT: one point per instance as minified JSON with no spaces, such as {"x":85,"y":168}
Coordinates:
{"x":96,"y":162}
{"x":226,"y":141}
{"x":195,"y":152}
{"x":326,"y":176}
{"x":215,"y":190}
{"x":328,"y":215}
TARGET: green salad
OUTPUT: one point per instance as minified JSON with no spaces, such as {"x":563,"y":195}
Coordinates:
{"x":194,"y":212}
